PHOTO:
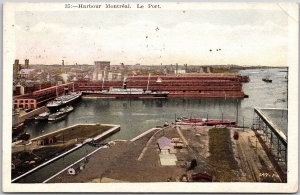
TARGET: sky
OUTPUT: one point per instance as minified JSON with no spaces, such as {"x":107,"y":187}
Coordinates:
{"x":160,"y":36}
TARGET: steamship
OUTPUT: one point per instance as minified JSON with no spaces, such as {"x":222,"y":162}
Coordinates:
{"x":127,"y":92}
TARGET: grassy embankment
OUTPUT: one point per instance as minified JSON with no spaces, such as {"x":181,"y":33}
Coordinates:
{"x":221,"y":160}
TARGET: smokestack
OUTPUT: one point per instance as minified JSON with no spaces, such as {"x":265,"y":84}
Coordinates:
{"x":27,"y":63}
{"x":176,"y":68}
{"x":63,"y":62}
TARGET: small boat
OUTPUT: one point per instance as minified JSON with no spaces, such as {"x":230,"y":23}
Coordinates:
{"x":56,"y":116}
{"x":67,"y":109}
{"x":42,"y":116}
{"x":267,"y":79}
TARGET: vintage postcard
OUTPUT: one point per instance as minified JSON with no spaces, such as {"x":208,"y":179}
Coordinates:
{"x":150,"y":97}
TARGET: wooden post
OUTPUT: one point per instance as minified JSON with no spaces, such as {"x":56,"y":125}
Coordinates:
{"x":243,"y":123}
{"x":237,"y":112}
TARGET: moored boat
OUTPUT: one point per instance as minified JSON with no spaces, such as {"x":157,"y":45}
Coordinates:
{"x":56,"y":116}
{"x":67,"y":109}
{"x":267,"y":79}
{"x":127,"y":93}
{"x":62,"y":101}
{"x":42,"y":116}
{"x":205,"y":122}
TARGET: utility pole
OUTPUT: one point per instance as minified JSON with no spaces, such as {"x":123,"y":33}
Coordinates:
{"x":243,"y":123}
{"x":237,"y":112}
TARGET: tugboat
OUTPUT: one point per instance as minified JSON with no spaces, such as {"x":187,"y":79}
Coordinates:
{"x":57,"y":116}
{"x":43,"y":116}
{"x":67,"y":109}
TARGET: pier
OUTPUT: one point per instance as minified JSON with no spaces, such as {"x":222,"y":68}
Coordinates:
{"x":269,"y":126}
{"x":243,"y":160}
{"x":145,"y":133}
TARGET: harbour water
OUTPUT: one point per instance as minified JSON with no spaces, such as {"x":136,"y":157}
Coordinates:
{"x":137,"y":116}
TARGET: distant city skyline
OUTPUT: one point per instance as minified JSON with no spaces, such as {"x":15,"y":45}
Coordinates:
{"x":162,"y":36}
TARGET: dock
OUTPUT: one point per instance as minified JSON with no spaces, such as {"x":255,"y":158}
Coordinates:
{"x":141,"y":161}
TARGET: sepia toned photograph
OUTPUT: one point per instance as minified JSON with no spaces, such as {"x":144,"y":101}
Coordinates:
{"x":150,"y":97}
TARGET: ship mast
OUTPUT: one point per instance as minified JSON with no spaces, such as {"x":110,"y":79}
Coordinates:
{"x":148,"y":82}
{"x":124,"y":83}
{"x":103,"y":80}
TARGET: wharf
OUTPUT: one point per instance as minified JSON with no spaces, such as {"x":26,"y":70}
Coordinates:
{"x":196,"y":86}
{"x":138,"y":160}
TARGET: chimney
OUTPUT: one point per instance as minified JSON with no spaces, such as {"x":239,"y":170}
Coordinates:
{"x":63,"y":62}
{"x":27,"y":63}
